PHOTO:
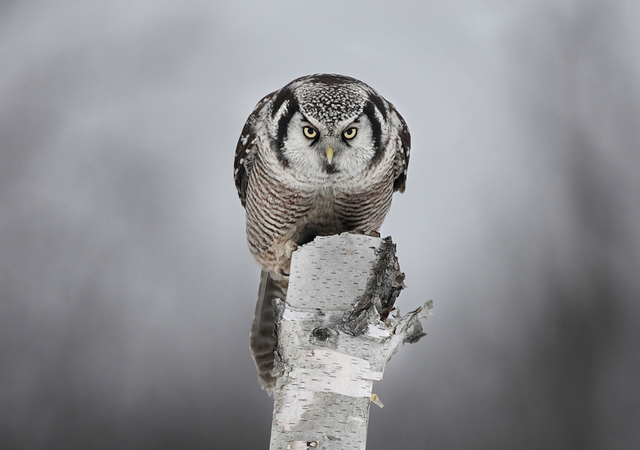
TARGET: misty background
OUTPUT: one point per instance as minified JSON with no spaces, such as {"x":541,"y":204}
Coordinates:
{"x":126,"y":286}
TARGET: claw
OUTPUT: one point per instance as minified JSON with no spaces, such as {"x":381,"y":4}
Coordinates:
{"x":371,"y":233}
{"x":283,"y":257}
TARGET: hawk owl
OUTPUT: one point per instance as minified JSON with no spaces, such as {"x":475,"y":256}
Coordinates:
{"x":321,"y":156}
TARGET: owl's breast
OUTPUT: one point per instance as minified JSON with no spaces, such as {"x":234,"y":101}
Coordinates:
{"x":284,"y":206}
{"x":321,"y":218}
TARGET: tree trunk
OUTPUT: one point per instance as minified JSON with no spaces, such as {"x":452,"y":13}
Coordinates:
{"x":336,"y":330}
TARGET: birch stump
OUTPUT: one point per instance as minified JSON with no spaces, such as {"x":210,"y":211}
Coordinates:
{"x":336,"y":330}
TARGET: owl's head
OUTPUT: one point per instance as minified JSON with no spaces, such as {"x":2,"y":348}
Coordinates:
{"x":329,"y":124}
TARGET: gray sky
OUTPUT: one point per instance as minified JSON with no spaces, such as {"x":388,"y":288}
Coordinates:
{"x":126,"y":286}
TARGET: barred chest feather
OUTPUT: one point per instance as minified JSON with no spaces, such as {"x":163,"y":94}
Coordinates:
{"x":282,"y":207}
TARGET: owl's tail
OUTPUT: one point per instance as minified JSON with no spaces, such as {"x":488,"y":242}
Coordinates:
{"x":263,"y":340}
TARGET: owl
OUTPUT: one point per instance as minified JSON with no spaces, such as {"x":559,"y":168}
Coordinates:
{"x":321,"y":156}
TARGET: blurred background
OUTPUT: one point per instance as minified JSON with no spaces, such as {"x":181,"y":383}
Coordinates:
{"x":126,"y":287}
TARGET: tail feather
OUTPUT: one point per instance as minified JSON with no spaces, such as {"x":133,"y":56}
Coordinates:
{"x":263,"y":340}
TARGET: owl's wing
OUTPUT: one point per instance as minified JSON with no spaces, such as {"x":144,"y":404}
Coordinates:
{"x":263,"y":340}
{"x":403,"y":149}
{"x":247,"y":149}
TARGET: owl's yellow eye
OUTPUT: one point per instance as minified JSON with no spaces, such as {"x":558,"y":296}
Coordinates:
{"x":309,"y":132}
{"x":350,"y":133}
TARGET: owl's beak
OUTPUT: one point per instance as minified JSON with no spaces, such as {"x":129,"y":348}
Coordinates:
{"x":329,"y":152}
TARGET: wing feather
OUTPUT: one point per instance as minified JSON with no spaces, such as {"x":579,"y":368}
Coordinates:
{"x":403,"y":149}
{"x":247,"y":149}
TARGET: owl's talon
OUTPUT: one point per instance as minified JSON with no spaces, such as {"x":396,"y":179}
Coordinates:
{"x":372,"y":233}
{"x":283,"y":257}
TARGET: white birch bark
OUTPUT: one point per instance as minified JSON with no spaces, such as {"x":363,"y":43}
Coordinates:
{"x":336,"y":331}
